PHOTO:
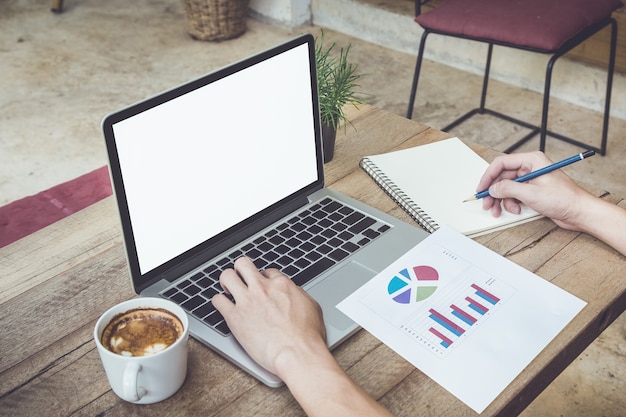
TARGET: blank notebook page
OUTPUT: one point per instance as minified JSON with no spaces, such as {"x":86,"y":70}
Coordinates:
{"x":433,"y":180}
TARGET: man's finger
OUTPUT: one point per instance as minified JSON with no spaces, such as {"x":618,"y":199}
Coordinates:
{"x":231,"y":282}
{"x":223,"y":304}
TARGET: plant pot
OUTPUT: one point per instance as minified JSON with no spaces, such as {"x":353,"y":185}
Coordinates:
{"x":216,"y":20}
{"x":328,"y":142}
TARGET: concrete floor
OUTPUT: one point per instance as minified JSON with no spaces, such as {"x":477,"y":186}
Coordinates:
{"x":60,"y":74}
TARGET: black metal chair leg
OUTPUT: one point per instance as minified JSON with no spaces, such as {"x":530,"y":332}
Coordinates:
{"x":483,"y":95}
{"x":546,"y":103}
{"x":609,"y":86}
{"x":416,"y":75}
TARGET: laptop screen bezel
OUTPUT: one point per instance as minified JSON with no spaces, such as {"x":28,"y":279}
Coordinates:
{"x":212,"y":247}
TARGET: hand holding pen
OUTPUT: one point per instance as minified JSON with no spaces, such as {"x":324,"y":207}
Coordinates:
{"x":555,"y":196}
{"x":539,"y":172}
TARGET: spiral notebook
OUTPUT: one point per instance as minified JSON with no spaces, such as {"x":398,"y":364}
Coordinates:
{"x":430,"y":183}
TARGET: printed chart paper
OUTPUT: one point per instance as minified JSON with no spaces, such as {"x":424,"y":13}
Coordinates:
{"x":461,"y":314}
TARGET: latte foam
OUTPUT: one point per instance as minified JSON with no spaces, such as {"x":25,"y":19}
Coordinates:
{"x":141,"y":331}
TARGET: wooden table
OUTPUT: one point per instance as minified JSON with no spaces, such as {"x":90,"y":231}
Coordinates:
{"x":55,"y":283}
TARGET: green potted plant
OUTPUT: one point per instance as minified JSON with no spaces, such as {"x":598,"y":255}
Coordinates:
{"x":337,"y":84}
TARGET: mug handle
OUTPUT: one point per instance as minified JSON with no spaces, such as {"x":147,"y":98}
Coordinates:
{"x":131,"y":391}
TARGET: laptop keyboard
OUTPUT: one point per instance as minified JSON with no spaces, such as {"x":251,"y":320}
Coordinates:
{"x":302,"y":247}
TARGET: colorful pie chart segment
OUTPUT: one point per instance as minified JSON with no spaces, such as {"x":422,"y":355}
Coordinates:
{"x":413,"y":284}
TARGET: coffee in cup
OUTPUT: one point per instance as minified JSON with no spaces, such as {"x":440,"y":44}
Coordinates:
{"x":143,"y":347}
{"x":142,"y":331}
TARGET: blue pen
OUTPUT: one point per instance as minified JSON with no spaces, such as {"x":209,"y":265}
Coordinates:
{"x":539,"y":172}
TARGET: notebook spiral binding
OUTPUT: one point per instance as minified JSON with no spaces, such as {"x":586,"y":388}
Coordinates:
{"x":403,"y":200}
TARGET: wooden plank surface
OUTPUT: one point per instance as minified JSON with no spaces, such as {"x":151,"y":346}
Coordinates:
{"x":55,"y":284}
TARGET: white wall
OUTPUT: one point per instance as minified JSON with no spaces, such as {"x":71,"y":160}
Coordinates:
{"x":287,"y":13}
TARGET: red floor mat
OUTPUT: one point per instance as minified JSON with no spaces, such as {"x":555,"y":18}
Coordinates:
{"x":23,"y":217}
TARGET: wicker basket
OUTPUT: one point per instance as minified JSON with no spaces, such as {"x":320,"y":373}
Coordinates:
{"x":215,"y":20}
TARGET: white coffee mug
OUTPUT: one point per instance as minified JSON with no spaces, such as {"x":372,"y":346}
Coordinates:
{"x":145,"y":379}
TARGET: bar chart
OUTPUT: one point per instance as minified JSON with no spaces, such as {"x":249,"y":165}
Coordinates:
{"x":444,"y":325}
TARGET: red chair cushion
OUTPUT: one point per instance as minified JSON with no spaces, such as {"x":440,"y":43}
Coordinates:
{"x":540,"y":24}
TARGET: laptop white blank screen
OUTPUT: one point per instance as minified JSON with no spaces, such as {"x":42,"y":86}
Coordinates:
{"x":209,"y":159}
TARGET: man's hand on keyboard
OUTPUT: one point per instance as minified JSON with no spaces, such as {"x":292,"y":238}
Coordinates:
{"x":271,"y":315}
{"x":281,"y":327}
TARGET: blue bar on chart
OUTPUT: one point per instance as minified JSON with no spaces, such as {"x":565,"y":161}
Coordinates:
{"x":448,"y":324}
{"x":485,"y":295}
{"x":463,"y":315}
{"x":445,"y":341}
{"x":476,"y":306}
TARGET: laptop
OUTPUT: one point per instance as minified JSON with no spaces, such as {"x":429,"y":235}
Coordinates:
{"x":229,"y":165}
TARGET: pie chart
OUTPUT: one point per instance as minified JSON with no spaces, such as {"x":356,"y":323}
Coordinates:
{"x":412,"y":285}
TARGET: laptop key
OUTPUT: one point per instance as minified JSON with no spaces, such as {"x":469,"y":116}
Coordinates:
{"x":293,"y":242}
{"x":253,"y":253}
{"x":307,"y":247}
{"x":335,"y":242}
{"x":197,"y":276}
{"x":284,"y":260}
{"x":204,"y":310}
{"x":260,"y":263}
{"x":223,"y":328}
{"x":302,"y":263}
{"x":345,"y":236}
{"x":271,"y":256}
{"x":204,"y":282}
{"x":169,"y":293}
{"x":325,"y":223}
{"x":332,"y":206}
{"x":324,"y":249}
{"x":313,"y":256}
{"x":290,"y":270}
{"x":209,"y":292}
{"x":296,"y":254}
{"x":362,"y":225}
{"x":223,"y":262}
{"x":312,"y":271}
{"x":193,"y":303}
{"x":213,"y":318}
{"x":314,"y":229}
{"x":287,"y":233}
{"x":349,"y":247}
{"x":282,"y":249}
{"x":354,"y":218}
{"x":265,"y":247}
{"x":192,"y":290}
{"x":210,"y":269}
{"x":338,"y":254}
{"x":345,"y":210}
{"x":178,"y":297}
{"x":309,"y":221}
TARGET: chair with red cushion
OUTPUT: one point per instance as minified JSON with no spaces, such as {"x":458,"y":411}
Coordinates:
{"x":544,"y":26}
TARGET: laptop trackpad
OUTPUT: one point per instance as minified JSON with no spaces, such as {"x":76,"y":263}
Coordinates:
{"x":335,"y":288}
